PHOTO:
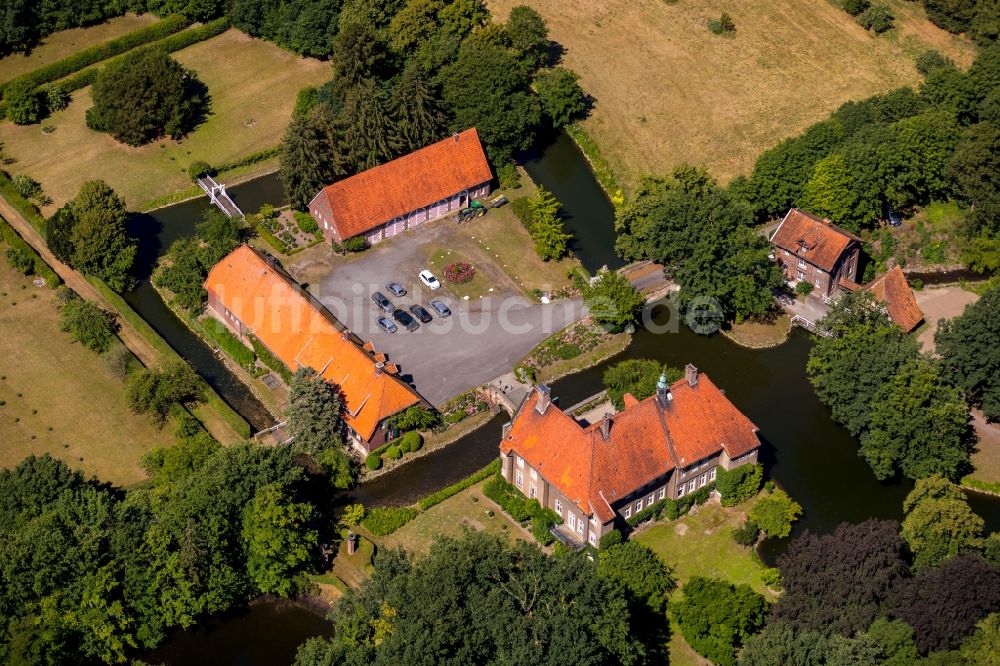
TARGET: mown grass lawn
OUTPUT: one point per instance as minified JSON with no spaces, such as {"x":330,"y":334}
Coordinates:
{"x":670,"y":92}
{"x":479,"y":286}
{"x":252,"y":84}
{"x":67,"y":42}
{"x":466,"y":510}
{"x":699,"y":544}
{"x":61,"y":398}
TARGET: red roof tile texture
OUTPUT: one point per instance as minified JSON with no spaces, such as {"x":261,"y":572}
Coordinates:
{"x":301,"y":336}
{"x":822,"y":242}
{"x":645,"y":442}
{"x":424,"y":177}
{"x":892,"y":289}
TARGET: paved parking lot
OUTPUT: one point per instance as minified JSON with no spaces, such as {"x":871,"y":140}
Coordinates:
{"x":480,"y":341}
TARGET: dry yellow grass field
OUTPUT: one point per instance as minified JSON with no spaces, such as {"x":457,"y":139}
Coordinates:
{"x":66,"y":42}
{"x":61,"y":398}
{"x":252,"y":84}
{"x":668,"y":91}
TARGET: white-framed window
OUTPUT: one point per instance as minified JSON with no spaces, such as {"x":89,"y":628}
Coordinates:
{"x":662,"y":493}
{"x":701,"y":480}
{"x":520,"y":460}
{"x":534,"y":491}
{"x":638,"y":506}
{"x":800,"y":275}
{"x":691,"y":485}
{"x":787,"y":253}
{"x":579,"y":526}
{"x":533,"y":474}
{"x":593,"y":538}
{"x":519,"y":477}
{"x":559,"y":507}
{"x":628,"y":511}
{"x":650,"y":499}
{"x":711,"y":475}
{"x":571,"y":520}
{"x":680,"y":490}
{"x":802,"y":263}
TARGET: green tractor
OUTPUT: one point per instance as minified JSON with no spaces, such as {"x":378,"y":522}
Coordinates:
{"x":473,"y":210}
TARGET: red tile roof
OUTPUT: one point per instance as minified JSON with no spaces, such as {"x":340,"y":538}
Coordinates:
{"x":301,"y":336}
{"x":891,"y":288}
{"x":424,"y":177}
{"x":645,"y":442}
{"x":822,"y":240}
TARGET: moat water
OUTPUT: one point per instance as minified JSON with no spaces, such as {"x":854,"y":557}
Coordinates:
{"x":804,"y":451}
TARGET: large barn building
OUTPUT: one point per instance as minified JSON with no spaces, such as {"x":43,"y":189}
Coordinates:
{"x":406,"y":192}
{"x":254,"y":297}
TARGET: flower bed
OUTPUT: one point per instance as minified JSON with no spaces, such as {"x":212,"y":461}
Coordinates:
{"x":459,"y":272}
{"x":464,"y":406}
{"x":567,"y":344}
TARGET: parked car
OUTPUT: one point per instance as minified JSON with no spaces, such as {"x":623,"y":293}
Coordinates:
{"x":404,"y":318}
{"x":420,"y":313}
{"x":440,"y":308}
{"x":379,"y":299}
{"x":429,"y":280}
{"x":396,"y":289}
{"x":386,"y":324}
{"x":894,"y":219}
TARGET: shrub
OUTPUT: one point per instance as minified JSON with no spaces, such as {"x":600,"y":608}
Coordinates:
{"x":247,"y":160}
{"x":522,"y":210}
{"x":23,"y":104}
{"x":855,"y":7}
{"x":723,"y":25}
{"x":356,"y":244}
{"x":510,"y":499}
{"x":89,"y":325}
{"x":393,"y":453}
{"x":877,"y":18}
{"x":930,"y":60}
{"x":771,"y":577}
{"x":804,"y":288}
{"x":508,"y":176}
{"x":384,"y":520}
{"x":740,"y":484}
{"x":541,"y":523}
{"x":455,"y":488}
{"x":270,"y":360}
{"x":227,"y":341}
{"x":266,"y":212}
{"x":746,"y":534}
{"x":198,"y":169}
{"x":459,"y":272}
{"x":155,"y":391}
{"x":20,"y":260}
{"x":19,"y":246}
{"x":612,"y":538}
{"x":353,"y":514}
{"x":373,"y":461}
{"x":411,"y":441}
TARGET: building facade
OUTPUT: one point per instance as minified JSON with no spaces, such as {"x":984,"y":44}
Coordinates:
{"x":596,"y":476}
{"x":254,"y":298}
{"x":814,"y":250}
{"x":402,"y":194}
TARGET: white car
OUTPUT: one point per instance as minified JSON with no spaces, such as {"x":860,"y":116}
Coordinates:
{"x":429,"y":280}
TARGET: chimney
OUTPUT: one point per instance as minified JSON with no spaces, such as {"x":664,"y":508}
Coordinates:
{"x":544,"y":398}
{"x":691,"y":374}
{"x":378,"y":368}
{"x":347,"y":334}
{"x":455,"y":136}
{"x":662,"y":391}
{"x":606,"y":426}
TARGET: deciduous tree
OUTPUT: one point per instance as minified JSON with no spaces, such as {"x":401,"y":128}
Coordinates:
{"x":528,"y":34}
{"x":775,"y":513}
{"x":939,"y":523}
{"x":100,"y":242}
{"x":717,"y":617}
{"x":640,"y":570}
{"x":968,"y":345}
{"x":613,"y":301}
{"x":276,"y":538}
{"x":562,"y":97}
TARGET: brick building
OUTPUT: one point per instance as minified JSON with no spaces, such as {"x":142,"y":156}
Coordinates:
{"x":406,"y":192}
{"x":597,"y":475}
{"x":254,"y":297}
{"x":814,"y":250}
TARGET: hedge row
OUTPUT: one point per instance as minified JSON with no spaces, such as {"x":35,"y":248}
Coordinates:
{"x":23,"y":206}
{"x":436,"y":498}
{"x":270,"y":360}
{"x":385,"y":520}
{"x":510,"y":499}
{"x":18,"y":244}
{"x":252,"y":158}
{"x":672,"y":509}
{"x":270,"y":238}
{"x":109,"y":49}
{"x":218,"y":333}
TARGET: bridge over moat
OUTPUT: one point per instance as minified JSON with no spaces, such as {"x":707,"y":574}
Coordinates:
{"x":217,"y":194}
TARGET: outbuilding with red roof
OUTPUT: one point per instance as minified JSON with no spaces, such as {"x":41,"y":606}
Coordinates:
{"x":406,"y":192}
{"x":814,"y":250}
{"x":596,"y":474}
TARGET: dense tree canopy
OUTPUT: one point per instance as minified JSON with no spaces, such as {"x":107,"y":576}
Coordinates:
{"x":477,"y":599}
{"x":939,"y":523}
{"x":562,"y":97}
{"x":89,"y":325}
{"x":313,"y":412}
{"x":717,"y":617}
{"x":775,"y":513}
{"x":637,"y":376}
{"x":613,"y":301}
{"x":187,"y":261}
{"x":312,"y":155}
{"x":145,"y":95}
{"x":970,"y":348}
{"x":640,"y":570}
{"x":705,"y":240}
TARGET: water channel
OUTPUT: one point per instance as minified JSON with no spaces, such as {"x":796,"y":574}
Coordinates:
{"x":809,"y":455}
